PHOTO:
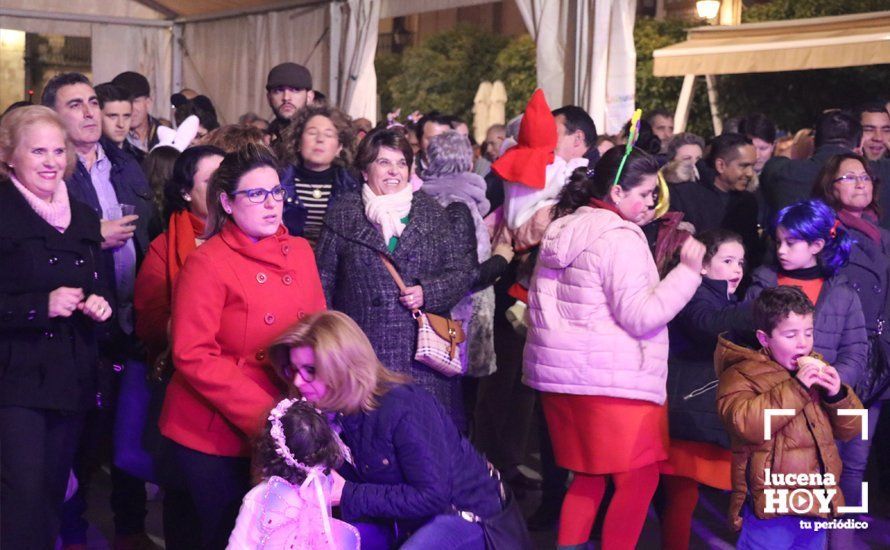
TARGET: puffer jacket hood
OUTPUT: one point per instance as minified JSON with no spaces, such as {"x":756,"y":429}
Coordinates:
{"x":574,"y":234}
{"x":729,"y":354}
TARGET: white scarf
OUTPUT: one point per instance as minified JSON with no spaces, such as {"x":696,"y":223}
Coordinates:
{"x":387,"y":211}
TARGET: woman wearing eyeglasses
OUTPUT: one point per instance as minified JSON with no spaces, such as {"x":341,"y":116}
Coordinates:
{"x":847,"y":184}
{"x":248,"y":282}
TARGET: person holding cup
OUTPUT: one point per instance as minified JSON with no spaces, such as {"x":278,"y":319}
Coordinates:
{"x":51,"y":298}
{"x":103,"y":178}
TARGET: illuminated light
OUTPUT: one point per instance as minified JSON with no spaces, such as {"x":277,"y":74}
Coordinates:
{"x":707,"y":9}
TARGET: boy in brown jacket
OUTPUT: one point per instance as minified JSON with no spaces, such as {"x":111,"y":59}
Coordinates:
{"x":785,"y":464}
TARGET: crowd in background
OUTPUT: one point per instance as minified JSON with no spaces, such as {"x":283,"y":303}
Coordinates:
{"x":167,"y":283}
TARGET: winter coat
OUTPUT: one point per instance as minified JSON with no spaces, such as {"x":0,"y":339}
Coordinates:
{"x":750,"y":383}
{"x":411,"y":464}
{"x":232,"y":298}
{"x":840,"y":336}
{"x":691,"y":383}
{"x":706,"y":207}
{"x":476,"y":309}
{"x":295,"y":212}
{"x":868,"y":273}
{"x":46,"y":363}
{"x":598,"y":312}
{"x":437,"y":250}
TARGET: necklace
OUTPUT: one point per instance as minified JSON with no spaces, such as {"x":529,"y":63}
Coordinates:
{"x":316,"y":189}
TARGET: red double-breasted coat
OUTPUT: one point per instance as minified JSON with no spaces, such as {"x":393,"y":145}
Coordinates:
{"x":232,"y":298}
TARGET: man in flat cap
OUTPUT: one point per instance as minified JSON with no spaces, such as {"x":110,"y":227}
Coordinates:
{"x":288,"y":89}
{"x":143,"y":127}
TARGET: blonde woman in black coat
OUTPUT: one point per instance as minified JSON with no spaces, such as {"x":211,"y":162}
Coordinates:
{"x":50,"y":300}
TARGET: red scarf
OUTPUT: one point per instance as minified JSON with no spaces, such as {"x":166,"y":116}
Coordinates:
{"x":183,"y":229}
{"x":597,"y":203}
{"x":860,"y":224}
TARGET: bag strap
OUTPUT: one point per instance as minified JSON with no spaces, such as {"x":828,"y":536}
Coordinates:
{"x":395,"y":276}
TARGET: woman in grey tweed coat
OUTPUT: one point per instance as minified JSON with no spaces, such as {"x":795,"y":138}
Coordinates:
{"x":433,"y":248}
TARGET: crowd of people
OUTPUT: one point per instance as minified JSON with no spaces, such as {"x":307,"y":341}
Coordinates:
{"x":311,"y":332}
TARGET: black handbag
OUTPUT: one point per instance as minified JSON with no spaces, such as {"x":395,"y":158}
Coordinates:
{"x":506,"y":530}
{"x":876,"y":377}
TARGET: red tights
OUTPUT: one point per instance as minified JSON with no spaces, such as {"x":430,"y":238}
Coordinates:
{"x":681,"y":496}
{"x":626,"y":513}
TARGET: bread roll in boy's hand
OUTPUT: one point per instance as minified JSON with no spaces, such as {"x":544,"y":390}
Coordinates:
{"x":809,"y":370}
{"x":806,"y":360}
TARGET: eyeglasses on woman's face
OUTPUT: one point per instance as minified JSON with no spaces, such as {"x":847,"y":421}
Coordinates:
{"x":258,"y":195}
{"x":306,"y":372}
{"x":851,"y":178}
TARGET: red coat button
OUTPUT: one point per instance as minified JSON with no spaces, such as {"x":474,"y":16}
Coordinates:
{"x":287,"y":279}
{"x":269,"y":319}
{"x":285,"y":249}
{"x":261,"y":277}
{"x":260,"y":355}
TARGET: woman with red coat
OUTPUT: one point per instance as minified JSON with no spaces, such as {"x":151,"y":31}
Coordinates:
{"x":235,"y":294}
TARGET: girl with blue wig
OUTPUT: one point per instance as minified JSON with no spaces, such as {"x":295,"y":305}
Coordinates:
{"x":811,"y":248}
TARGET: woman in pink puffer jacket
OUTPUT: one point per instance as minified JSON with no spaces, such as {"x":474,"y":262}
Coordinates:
{"x":597,"y":344}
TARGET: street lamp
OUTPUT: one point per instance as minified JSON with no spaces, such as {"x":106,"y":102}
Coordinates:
{"x":708,"y":9}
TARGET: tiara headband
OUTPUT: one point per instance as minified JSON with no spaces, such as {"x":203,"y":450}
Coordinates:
{"x":281,"y":448}
{"x":633,"y":133}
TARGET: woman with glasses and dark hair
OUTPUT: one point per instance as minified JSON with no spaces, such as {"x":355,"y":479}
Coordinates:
{"x":847,"y":184}
{"x":235,"y":293}
{"x":433,"y":248}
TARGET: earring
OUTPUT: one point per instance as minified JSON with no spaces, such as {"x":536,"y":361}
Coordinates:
{"x":186,"y":197}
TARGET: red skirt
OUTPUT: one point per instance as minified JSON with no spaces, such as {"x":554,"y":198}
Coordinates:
{"x":705,"y":463}
{"x":595,"y":434}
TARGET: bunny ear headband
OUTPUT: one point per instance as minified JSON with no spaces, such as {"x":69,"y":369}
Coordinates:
{"x":179,"y":138}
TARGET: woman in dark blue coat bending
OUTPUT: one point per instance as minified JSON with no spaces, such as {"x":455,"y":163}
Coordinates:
{"x":411,"y":477}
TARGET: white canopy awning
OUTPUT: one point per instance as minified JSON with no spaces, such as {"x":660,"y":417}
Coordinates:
{"x":817,"y":43}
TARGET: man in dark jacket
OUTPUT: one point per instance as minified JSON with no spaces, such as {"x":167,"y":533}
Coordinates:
{"x":107,"y":180}
{"x":785,"y":181}
{"x":720,"y":199}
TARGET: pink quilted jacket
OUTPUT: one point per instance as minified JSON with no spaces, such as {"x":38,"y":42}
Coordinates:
{"x":598,"y":312}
